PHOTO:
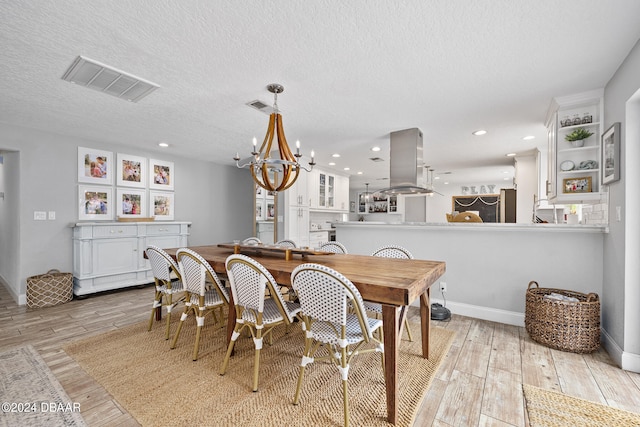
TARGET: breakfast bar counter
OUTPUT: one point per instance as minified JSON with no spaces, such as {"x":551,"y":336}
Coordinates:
{"x":490,"y":265}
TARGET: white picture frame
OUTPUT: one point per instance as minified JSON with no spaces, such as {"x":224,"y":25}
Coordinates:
{"x":131,"y":171}
{"x":95,"y":166}
{"x":95,"y":203}
{"x":161,"y":205}
{"x":131,"y":203}
{"x":161,"y":175}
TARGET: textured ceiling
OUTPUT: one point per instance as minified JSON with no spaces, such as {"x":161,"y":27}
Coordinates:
{"x":352,"y":71}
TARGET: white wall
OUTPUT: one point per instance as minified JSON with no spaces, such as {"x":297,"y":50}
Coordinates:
{"x":218,"y":200}
{"x":621,"y":298}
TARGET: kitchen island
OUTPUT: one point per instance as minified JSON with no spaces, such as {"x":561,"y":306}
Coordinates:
{"x":490,"y":265}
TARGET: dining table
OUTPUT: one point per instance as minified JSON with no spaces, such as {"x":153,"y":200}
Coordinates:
{"x":393,"y":283}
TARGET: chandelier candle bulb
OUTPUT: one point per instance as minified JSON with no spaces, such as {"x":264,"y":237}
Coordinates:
{"x":298,"y":147}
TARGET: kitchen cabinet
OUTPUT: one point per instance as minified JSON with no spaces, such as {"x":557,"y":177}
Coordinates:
{"x":297,"y":225}
{"x":328,"y":191}
{"x":573,"y":169}
{"x":111,"y":255}
{"x":316,"y":238}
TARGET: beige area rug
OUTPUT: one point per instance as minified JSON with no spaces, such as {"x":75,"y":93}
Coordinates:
{"x":30,"y":393}
{"x":159,"y":386}
{"x":548,"y":408}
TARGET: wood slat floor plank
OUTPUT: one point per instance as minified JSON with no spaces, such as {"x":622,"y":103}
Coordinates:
{"x":478,"y":384}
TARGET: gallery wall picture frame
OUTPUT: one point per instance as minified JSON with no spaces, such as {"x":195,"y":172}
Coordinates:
{"x":95,"y":166}
{"x":95,"y":203}
{"x":131,"y":203}
{"x":259,"y":209}
{"x":131,"y":171}
{"x":161,"y":175}
{"x":576,"y":185}
{"x":610,"y":154}
{"x":271,"y":210}
{"x":161,"y":205}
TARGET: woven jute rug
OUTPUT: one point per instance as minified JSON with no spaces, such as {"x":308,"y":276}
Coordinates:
{"x":549,"y":408}
{"x":159,"y":386}
{"x":30,"y":393}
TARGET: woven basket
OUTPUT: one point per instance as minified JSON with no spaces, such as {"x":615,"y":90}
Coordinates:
{"x":563,"y":325}
{"x":49,"y":289}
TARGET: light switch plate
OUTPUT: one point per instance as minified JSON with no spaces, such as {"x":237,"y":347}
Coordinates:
{"x":52,"y":215}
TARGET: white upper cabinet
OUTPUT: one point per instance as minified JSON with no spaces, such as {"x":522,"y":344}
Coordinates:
{"x":573,"y":174}
{"x":328,"y":191}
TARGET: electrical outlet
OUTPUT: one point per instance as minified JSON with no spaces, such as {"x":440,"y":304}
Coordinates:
{"x":443,"y":286}
{"x":39,"y":216}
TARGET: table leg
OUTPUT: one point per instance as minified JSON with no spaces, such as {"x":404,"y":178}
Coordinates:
{"x":425,"y":321}
{"x":392,"y":328}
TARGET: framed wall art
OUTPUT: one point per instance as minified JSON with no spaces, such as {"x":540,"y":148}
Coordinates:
{"x":95,"y":202}
{"x":610,"y":159}
{"x":131,"y":203}
{"x":161,"y":205}
{"x":131,"y":171}
{"x":95,"y":166}
{"x":161,"y":175}
{"x":576,"y":185}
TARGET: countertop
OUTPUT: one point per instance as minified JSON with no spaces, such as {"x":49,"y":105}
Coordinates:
{"x":493,"y":227}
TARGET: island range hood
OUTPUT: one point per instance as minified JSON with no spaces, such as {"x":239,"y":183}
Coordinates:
{"x":406,"y":173}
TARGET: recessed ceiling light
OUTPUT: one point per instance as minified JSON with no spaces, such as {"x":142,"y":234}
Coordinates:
{"x":332,"y":163}
{"x":335,"y":155}
{"x":346,"y":169}
{"x":436,"y":177}
{"x":359,"y":172}
{"x":505,"y":171}
{"x":511,"y":154}
{"x":163,"y":144}
{"x":446,"y":182}
{"x":479,"y":132}
{"x":529,"y":137}
{"x":507,"y":178}
{"x":375,"y":148}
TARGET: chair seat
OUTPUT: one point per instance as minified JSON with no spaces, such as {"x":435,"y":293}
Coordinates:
{"x":271,"y":313}
{"x":373,"y":307}
{"x":211,"y":299}
{"x":325,"y":332}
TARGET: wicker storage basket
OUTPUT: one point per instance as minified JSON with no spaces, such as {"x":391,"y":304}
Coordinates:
{"x":48,"y":289}
{"x":563,"y":325}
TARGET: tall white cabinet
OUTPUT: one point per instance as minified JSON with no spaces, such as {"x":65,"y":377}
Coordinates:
{"x":573,"y":175}
{"x":297,"y":213}
{"x":109,"y":256}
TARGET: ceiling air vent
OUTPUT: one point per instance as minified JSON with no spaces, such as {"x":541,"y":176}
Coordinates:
{"x":94,"y":75}
{"x":261,"y":106}
{"x":376,"y":159}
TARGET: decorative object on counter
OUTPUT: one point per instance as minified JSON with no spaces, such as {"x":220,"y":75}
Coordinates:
{"x":587,"y":118}
{"x":262,"y":165}
{"x":610,"y":156}
{"x":567,"y":165}
{"x":577,"y":185}
{"x":588,"y":164}
{"x":466,"y":217}
{"x":565,"y":121}
{"x":563,"y":325}
{"x":577,"y":137}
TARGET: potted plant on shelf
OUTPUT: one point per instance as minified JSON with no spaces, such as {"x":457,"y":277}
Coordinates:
{"x":578,"y":136}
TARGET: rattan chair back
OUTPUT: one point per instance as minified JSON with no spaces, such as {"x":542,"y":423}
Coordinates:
{"x":335,"y":247}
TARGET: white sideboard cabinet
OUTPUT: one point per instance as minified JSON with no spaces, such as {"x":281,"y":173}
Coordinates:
{"x":111,"y":255}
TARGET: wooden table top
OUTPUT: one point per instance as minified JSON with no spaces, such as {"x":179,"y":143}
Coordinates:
{"x":384,"y":280}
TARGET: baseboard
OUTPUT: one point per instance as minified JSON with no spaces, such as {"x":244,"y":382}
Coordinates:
{"x":484,"y":313}
{"x":624,"y":359}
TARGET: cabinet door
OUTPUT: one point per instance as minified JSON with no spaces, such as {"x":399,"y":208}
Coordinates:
{"x":112,"y":256}
{"x":313,"y":185}
{"x":342,"y":193}
{"x":331,"y":195}
{"x":322,"y":190}
{"x":298,"y":225}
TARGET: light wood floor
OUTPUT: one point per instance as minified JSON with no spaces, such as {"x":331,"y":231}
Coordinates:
{"x":479,"y":383}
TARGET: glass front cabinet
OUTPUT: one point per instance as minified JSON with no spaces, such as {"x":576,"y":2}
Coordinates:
{"x":574,"y":128}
